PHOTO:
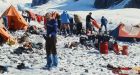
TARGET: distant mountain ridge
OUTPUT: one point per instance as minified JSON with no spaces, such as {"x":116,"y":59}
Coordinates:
{"x":117,"y":3}
{"x":38,"y":2}
{"x":102,"y":4}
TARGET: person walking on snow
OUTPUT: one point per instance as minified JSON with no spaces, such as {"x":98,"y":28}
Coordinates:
{"x":65,"y":20}
{"x":89,"y":26}
{"x":52,"y":60}
{"x":104,"y":23}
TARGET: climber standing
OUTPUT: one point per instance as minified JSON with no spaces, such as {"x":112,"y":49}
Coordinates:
{"x":89,"y":26}
{"x":51,"y":42}
{"x":104,"y":23}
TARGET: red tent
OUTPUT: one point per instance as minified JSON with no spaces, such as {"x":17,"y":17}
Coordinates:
{"x":126,"y":33}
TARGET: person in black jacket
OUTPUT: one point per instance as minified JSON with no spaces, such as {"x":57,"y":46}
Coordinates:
{"x":88,"y":22}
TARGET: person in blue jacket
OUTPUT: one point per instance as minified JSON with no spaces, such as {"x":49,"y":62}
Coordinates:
{"x":65,"y":21}
{"x":104,"y":23}
{"x":51,"y":40}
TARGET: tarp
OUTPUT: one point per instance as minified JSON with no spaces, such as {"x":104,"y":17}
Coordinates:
{"x":39,"y":18}
{"x":94,"y":23}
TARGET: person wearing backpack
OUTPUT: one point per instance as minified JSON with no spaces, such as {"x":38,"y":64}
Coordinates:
{"x":65,"y":22}
{"x":104,"y":23}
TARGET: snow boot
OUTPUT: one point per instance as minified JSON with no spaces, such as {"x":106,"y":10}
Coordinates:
{"x":49,"y":62}
{"x":55,"y":61}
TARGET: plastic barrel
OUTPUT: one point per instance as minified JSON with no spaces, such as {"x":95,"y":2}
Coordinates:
{"x":125,"y":50}
{"x":115,"y":48}
{"x":104,"y":47}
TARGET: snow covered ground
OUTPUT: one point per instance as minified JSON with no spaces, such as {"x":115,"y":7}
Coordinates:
{"x":75,"y":61}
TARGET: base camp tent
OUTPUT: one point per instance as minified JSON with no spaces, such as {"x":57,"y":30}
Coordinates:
{"x":14,"y":19}
{"x":126,"y":33}
{"x":4,"y":36}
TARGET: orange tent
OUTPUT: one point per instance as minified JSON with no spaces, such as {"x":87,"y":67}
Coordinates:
{"x":15,"y":20}
{"x":126,"y":33}
{"x":3,"y":32}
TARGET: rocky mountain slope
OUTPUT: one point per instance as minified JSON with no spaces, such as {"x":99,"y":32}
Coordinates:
{"x":118,"y":3}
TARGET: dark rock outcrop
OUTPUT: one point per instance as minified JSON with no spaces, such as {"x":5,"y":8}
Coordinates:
{"x":108,"y":3}
{"x":38,"y":2}
{"x":133,"y":4}
{"x":105,"y":3}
